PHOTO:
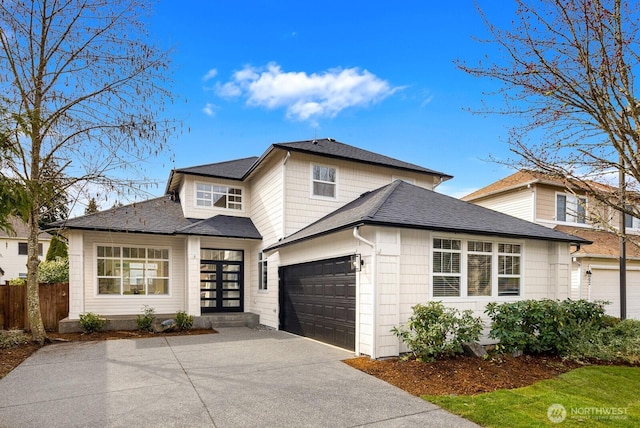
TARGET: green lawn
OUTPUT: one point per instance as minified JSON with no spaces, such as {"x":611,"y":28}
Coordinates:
{"x":596,"y":396}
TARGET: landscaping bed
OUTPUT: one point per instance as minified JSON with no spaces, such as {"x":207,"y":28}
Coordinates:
{"x":463,"y":375}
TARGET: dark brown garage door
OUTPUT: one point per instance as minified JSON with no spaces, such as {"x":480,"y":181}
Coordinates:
{"x":318,"y":300}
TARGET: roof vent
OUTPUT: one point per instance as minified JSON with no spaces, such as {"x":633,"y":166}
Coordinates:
{"x":330,"y":139}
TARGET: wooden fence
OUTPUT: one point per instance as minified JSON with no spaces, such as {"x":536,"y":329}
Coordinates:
{"x":54,"y":305}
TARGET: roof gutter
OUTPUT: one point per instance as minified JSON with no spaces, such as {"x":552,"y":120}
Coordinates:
{"x":374,"y":310}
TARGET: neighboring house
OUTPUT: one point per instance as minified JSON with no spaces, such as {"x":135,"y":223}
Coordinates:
{"x":318,"y":238}
{"x":13,"y":249}
{"x":595,"y":269}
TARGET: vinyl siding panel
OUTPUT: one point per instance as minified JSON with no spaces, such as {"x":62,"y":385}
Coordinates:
{"x":517,"y":203}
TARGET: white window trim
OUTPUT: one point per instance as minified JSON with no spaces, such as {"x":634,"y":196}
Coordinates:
{"x":129,"y":296}
{"x":324,"y":198}
{"x":213,"y":207}
{"x":567,"y":196}
{"x":464,"y":297}
{"x":263,"y":261}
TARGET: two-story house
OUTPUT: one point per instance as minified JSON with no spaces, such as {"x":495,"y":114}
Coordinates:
{"x":536,"y":197}
{"x":13,"y":249}
{"x":318,"y":238}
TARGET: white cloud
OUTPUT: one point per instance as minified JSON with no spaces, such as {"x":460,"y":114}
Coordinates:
{"x":210,"y":74}
{"x":306,"y":96}
{"x":209,"y":109}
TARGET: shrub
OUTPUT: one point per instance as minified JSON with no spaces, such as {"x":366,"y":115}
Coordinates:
{"x":57,"y":248}
{"x":10,"y":339}
{"x":54,"y":271}
{"x":619,"y":342}
{"x":145,"y":321}
{"x":543,"y":326}
{"x":434,"y":331}
{"x":91,"y":322}
{"x":184,"y":321}
{"x":18,"y":281}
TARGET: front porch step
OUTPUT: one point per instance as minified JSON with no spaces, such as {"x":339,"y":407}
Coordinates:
{"x":128,"y":322}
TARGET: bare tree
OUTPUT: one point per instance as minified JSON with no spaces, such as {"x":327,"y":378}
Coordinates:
{"x":566,"y":70}
{"x":84,"y":91}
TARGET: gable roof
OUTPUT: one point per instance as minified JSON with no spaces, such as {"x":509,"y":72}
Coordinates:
{"x":401,"y":204}
{"x":20,"y":229}
{"x":240,"y":169}
{"x":331,"y":148}
{"x":162,"y":216}
{"x":527,"y":177}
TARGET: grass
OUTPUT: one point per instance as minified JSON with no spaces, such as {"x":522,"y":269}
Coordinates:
{"x":596,"y":396}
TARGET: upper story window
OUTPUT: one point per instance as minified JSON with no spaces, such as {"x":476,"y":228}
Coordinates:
{"x":211,"y":195}
{"x":471,"y":268}
{"x":323,"y":180}
{"x":570,"y":209}
{"x":23,"y":249}
{"x":631,"y":222}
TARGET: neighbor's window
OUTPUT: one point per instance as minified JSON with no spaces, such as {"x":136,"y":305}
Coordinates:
{"x":132,"y":270}
{"x":492,"y":268}
{"x":570,"y":208}
{"x":262,"y":272}
{"x":508,"y":270}
{"x":446,"y":267}
{"x":324,"y":181}
{"x":631,"y":222}
{"x":210,"y":195}
{"x":23,"y":249}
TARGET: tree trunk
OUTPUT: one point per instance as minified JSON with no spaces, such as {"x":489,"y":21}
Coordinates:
{"x":33,"y":289}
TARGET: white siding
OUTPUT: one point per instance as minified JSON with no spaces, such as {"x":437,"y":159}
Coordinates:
{"x":122,"y":305}
{"x":267,"y":199}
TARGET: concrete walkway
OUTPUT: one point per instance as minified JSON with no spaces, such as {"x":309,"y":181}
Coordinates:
{"x":237,"y":378}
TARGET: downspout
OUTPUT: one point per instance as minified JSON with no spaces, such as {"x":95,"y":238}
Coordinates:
{"x":374,"y":299}
{"x":284,"y":193}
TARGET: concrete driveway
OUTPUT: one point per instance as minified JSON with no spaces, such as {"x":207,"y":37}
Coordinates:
{"x":237,"y":378}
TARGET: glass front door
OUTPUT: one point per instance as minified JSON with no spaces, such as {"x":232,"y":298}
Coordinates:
{"x":221,"y":280}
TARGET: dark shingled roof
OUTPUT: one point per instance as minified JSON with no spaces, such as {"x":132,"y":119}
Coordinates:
{"x":241,"y":168}
{"x":400,"y":204}
{"x":162,"y":216}
{"x":235,"y":169}
{"x":335,"y":149}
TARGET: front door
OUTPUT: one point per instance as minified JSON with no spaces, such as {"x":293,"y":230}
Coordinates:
{"x":221,"y":280}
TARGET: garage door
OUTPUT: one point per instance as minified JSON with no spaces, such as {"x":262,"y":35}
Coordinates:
{"x":605,"y":285}
{"x":318,"y":300}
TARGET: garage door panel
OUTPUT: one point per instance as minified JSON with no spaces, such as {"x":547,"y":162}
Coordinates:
{"x":318,"y":301}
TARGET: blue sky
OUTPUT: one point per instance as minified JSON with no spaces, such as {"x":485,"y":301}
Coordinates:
{"x":377,"y":75}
